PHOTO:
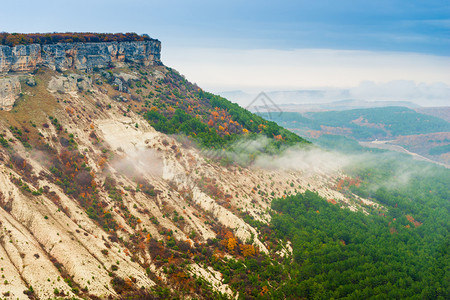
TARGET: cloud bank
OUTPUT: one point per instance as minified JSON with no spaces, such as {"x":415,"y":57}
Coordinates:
{"x":367,"y":74}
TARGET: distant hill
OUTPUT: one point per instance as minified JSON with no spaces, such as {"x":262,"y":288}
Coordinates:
{"x":424,"y":134}
{"x":365,"y":124}
{"x":312,"y":100}
{"x":440,"y":112}
{"x":345,"y":105}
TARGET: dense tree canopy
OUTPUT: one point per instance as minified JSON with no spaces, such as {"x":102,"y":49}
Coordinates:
{"x":13,"y":39}
{"x":400,"y":251}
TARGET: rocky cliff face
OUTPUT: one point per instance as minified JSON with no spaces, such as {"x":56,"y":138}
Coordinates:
{"x":82,"y":56}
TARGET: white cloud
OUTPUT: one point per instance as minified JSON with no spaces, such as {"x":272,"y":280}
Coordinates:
{"x":432,"y":94}
{"x":218,"y":70}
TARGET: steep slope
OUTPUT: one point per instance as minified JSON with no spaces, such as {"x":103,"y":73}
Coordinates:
{"x":95,"y":202}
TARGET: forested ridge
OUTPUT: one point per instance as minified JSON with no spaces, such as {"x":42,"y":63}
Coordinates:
{"x":179,"y":107}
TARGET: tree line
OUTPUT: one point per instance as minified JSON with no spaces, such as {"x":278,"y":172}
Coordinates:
{"x":14,"y":39}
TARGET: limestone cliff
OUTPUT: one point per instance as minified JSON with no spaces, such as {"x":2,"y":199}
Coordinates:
{"x":81,"y":56}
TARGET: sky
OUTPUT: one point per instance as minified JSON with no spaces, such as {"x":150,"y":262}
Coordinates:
{"x":273,"y":45}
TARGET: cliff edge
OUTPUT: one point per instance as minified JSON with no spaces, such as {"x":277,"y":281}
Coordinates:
{"x":81,"y":56}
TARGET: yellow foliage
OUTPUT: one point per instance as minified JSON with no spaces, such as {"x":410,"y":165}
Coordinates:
{"x":247,"y":250}
{"x":231,"y":244}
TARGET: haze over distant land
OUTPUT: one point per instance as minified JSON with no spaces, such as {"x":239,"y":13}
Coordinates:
{"x":389,"y":50}
{"x":338,"y":74}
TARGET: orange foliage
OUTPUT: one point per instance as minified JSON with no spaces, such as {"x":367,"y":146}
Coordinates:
{"x":264,"y":290}
{"x":411,"y":219}
{"x":347,"y":182}
{"x":142,"y":246}
{"x":70,"y":110}
{"x":247,"y":250}
{"x":102,"y":162}
{"x":229,"y":235}
{"x":211,"y":123}
{"x":278,"y":137}
{"x":128,"y":282}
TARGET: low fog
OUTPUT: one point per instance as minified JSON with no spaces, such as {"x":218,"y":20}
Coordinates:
{"x":133,"y":163}
{"x":366,"y":93}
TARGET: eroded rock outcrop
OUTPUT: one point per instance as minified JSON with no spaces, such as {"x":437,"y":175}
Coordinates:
{"x":81,"y":56}
{"x":68,"y":84}
{"x":10,"y":90}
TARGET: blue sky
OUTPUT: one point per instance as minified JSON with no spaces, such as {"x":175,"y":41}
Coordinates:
{"x":389,"y":25}
{"x":196,"y":33}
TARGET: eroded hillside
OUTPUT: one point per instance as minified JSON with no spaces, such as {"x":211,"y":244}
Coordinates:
{"x":95,"y":202}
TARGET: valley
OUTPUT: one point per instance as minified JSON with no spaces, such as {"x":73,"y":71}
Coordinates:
{"x":418,"y":134}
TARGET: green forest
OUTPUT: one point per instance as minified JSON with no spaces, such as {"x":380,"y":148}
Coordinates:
{"x":394,"y":253}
